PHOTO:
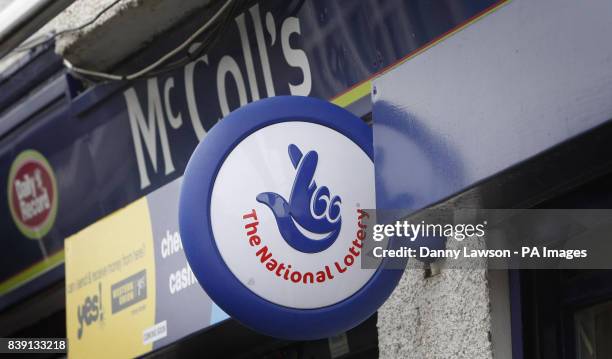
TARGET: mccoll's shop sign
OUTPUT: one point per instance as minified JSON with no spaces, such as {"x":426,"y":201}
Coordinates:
{"x":272,"y":218}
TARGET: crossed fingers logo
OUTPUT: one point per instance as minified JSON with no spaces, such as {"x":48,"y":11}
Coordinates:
{"x":310,"y":222}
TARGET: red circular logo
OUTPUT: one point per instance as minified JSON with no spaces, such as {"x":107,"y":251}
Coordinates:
{"x":32,"y":193}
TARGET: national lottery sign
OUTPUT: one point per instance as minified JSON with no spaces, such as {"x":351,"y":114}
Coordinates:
{"x":272,"y":218}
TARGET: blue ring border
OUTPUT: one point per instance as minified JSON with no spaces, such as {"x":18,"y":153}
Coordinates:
{"x":204,"y":258}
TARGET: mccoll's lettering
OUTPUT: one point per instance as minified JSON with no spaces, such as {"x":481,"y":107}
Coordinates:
{"x":225,"y":71}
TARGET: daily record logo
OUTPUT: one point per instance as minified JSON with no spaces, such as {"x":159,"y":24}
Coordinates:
{"x":272,"y":217}
{"x":310,"y":222}
{"x":32,"y":194}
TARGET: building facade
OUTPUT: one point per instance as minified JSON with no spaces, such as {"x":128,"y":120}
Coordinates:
{"x":487,"y":103}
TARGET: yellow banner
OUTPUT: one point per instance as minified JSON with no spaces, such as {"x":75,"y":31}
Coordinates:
{"x":110,"y":285}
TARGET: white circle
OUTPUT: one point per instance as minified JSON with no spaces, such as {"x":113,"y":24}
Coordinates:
{"x":261,"y":163}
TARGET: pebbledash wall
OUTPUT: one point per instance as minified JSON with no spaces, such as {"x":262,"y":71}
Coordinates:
{"x":448,"y":314}
{"x":444,"y":316}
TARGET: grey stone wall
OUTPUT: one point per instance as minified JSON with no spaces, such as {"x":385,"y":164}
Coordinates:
{"x":443,"y":316}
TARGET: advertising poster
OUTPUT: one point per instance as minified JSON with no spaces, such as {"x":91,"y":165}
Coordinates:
{"x":128,"y":282}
